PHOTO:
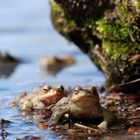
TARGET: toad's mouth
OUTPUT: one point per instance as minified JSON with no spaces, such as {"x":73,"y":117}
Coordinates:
{"x":84,"y":97}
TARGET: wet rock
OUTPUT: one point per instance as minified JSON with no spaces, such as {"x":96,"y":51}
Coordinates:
{"x":7,"y":64}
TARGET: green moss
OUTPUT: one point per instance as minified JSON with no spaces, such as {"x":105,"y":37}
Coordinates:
{"x":56,"y":7}
{"x":117,"y":31}
{"x":62,"y":23}
{"x":120,"y":53}
{"x":122,"y":8}
{"x":137,"y":5}
{"x":119,"y":50}
{"x":90,"y":23}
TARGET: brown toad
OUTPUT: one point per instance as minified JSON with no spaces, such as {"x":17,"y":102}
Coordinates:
{"x":52,"y":65}
{"x":83,"y":104}
{"x":40,"y":98}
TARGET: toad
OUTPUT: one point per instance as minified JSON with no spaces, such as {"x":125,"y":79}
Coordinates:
{"x":53,"y":65}
{"x":40,"y":98}
{"x":83,"y":104}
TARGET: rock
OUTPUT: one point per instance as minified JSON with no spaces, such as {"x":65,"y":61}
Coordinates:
{"x":107,"y":31}
{"x":7,"y":64}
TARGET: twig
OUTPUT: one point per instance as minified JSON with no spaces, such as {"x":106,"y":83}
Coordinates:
{"x":96,"y":53}
{"x":131,"y":37}
{"x":134,"y":58}
{"x":134,"y":117}
{"x":87,"y":127}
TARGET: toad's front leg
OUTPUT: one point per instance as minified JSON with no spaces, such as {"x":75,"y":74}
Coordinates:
{"x":59,"y":110}
{"x":109,"y":118}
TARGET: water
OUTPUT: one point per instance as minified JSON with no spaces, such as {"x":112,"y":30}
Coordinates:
{"x":27,"y":33}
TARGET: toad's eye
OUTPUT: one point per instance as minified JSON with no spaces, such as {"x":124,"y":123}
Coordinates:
{"x":60,"y":88}
{"x":93,"y":90}
{"x":78,"y":88}
{"x":47,"y":87}
{"x":75,"y":92}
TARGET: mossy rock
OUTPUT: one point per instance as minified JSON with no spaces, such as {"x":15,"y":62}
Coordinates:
{"x":106,"y":30}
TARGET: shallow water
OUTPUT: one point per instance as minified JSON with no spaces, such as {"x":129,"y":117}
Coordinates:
{"x":27,"y":33}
